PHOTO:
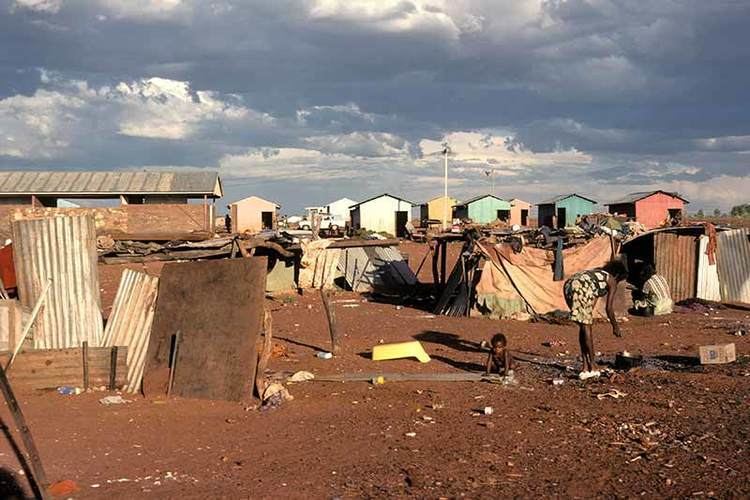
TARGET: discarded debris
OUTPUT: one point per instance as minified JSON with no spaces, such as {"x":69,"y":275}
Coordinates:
{"x":275,"y":395}
{"x":585,"y":375}
{"x":301,"y":376}
{"x":324,"y":355}
{"x":717,"y":354}
{"x":67,"y":390}
{"x":114,"y":400}
{"x":63,"y":488}
{"x":400,"y":350}
{"x":557,"y":381}
{"x":613,"y":393}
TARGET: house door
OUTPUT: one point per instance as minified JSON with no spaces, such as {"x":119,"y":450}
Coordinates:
{"x":524,"y":217}
{"x":503,"y":215}
{"x":266,"y":219}
{"x":402,"y":218}
{"x":560,"y":217}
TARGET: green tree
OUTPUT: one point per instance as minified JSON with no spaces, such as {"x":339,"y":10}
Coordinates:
{"x":699,"y":213}
{"x":717,"y":212}
{"x":741,"y":210}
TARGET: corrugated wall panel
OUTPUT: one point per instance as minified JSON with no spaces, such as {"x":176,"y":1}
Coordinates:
{"x":708,"y":276}
{"x":733,"y":260}
{"x":130,"y":322}
{"x":677,"y":261}
{"x":63,"y":250}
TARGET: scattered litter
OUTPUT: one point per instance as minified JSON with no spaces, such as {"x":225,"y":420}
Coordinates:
{"x":585,"y":375}
{"x":554,"y":343}
{"x":717,"y":354}
{"x":63,"y":488}
{"x":613,"y":393}
{"x":114,"y":400}
{"x":398,"y":308}
{"x":275,"y":395}
{"x":488,"y":410}
{"x":350,"y":305}
{"x":557,"y":381}
{"x":380,"y":380}
{"x":301,"y":376}
{"x":324,"y":354}
{"x":400,"y":350}
{"x":411,"y":434}
{"x":67,"y":390}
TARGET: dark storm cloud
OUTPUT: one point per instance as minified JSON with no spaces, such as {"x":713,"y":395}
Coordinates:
{"x":652,"y":90}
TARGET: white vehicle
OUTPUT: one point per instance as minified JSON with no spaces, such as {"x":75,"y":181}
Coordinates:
{"x":328,"y":224}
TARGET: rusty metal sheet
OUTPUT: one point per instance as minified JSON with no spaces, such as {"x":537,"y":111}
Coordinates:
{"x":130,"y":322}
{"x":215,"y":308}
{"x":707,"y":287}
{"x":733,"y":260}
{"x":62,"y":250}
{"x":375,"y":268}
{"x":676,"y":259}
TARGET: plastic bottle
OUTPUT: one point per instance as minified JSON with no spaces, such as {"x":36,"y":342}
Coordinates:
{"x":67,"y":390}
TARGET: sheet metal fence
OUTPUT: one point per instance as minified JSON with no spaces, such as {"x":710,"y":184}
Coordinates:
{"x":62,"y":250}
{"x":130,"y":322}
{"x":733,"y":259}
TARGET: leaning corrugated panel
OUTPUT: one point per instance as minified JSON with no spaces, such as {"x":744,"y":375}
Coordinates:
{"x":676,"y":261}
{"x":733,"y":260}
{"x":708,"y":276}
{"x":130,"y":321}
{"x":63,"y":250}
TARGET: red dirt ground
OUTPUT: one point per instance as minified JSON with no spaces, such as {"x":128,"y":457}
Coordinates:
{"x":676,"y":433}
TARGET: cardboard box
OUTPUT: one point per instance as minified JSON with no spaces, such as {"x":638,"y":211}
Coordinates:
{"x":717,"y":354}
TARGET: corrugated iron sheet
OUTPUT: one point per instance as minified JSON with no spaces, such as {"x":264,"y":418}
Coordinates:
{"x":130,"y":322}
{"x":112,"y":182}
{"x":375,"y":268}
{"x":676,"y":260}
{"x":63,"y":250}
{"x":708,"y":276}
{"x":733,"y":260}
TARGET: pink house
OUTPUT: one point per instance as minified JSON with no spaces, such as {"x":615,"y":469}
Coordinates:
{"x":651,"y":208}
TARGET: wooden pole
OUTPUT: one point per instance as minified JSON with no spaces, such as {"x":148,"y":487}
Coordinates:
{"x":265,"y":355}
{"x":39,"y":481}
{"x":443,"y":251}
{"x":435,"y":255}
{"x":331,"y":316}
{"x":175,"y":351}
{"x":27,"y":328}
{"x":85,"y":353}
{"x":424,"y":259}
{"x":113,"y":368}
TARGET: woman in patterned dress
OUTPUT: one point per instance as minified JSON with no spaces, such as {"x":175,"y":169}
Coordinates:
{"x":582,"y":290}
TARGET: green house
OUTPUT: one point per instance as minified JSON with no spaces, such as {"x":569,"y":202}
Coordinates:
{"x":563,"y":210}
{"x":483,"y":209}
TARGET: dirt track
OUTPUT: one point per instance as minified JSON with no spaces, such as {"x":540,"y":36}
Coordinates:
{"x":680,"y":431}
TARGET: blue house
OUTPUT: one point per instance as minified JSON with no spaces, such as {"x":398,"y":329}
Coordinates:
{"x":563,"y":210}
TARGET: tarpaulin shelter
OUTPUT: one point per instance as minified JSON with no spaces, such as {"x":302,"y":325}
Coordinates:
{"x":520,"y":285}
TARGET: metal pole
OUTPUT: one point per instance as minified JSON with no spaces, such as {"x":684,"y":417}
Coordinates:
{"x":445,"y":189}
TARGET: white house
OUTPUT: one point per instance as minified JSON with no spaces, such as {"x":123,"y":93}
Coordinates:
{"x":340,"y":208}
{"x":383,"y":213}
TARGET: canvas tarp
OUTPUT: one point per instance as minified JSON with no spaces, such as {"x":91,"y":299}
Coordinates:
{"x":515,"y":285}
{"x":318,"y":265}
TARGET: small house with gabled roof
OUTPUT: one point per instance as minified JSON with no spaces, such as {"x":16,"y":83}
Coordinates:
{"x":650,"y":208}
{"x":564,"y":209}
{"x":384,"y":213}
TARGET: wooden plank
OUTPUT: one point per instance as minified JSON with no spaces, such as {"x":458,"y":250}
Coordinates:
{"x":409,"y":377}
{"x":164,"y":235}
{"x":217,"y":308}
{"x":353,"y":243}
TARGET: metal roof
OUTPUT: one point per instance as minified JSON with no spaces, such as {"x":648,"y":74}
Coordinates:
{"x":88,"y":183}
{"x":561,"y":197}
{"x":381,"y":196}
{"x":633,"y":197}
{"x":477,"y":198}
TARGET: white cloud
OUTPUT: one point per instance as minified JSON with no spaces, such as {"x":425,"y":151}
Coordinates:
{"x":46,"y":6}
{"x":394,"y":16}
{"x":500,"y":150}
{"x":364,"y":144}
{"x":68,"y":113}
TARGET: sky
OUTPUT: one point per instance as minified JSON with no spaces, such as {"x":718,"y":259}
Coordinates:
{"x":307,"y":101}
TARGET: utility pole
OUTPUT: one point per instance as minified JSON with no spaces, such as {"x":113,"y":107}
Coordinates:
{"x":446,"y":150}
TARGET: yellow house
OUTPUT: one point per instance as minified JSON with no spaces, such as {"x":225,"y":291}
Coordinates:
{"x":440,"y":207}
{"x":519,"y":212}
{"x":253,"y":215}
